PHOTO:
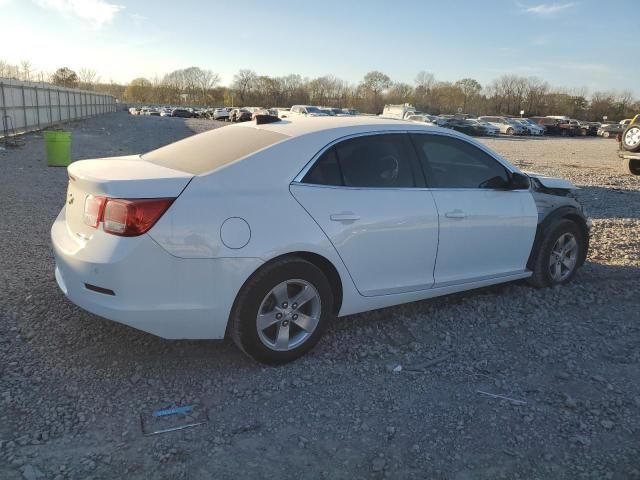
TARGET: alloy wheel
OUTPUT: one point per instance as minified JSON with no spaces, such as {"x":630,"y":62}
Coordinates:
{"x":564,"y":257}
{"x":288,"y":315}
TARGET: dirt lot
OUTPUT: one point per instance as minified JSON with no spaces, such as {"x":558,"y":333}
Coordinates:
{"x":73,"y":386}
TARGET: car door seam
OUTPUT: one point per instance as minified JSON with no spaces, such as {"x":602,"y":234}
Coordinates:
{"x":329,"y":240}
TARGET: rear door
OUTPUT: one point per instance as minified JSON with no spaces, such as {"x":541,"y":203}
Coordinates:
{"x":485,"y":230}
{"x":367,"y":194}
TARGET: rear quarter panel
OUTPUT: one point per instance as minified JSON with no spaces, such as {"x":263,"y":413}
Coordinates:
{"x":255,"y":189}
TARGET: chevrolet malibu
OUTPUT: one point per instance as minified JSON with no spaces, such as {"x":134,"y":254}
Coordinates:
{"x":264,"y":232}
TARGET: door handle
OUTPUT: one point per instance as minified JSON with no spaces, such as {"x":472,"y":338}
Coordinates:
{"x":344,"y":217}
{"x":455,"y":214}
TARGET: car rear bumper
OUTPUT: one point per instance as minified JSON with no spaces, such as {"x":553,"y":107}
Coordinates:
{"x":136,"y":282}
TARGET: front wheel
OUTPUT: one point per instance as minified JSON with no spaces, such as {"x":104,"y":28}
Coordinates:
{"x":510,"y":131}
{"x":282,"y":311}
{"x":559,"y":255}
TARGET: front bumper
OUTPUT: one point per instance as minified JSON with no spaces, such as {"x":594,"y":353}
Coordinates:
{"x":153,"y":291}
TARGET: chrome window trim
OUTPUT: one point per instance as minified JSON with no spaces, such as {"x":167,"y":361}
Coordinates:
{"x":298,"y":178}
{"x":425,"y":189}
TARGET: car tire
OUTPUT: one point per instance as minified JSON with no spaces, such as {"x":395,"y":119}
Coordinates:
{"x":583,"y":132}
{"x":606,"y":134}
{"x":286,"y":279}
{"x":631,"y":166}
{"x":510,"y":131}
{"x":631,"y":138}
{"x":555,"y":263}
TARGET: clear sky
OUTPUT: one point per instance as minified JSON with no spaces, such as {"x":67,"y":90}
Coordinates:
{"x":573,"y":44}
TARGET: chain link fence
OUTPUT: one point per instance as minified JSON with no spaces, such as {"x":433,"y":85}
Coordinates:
{"x":27,"y":106}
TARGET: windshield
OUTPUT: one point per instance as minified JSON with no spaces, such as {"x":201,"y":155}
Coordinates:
{"x":313,"y":110}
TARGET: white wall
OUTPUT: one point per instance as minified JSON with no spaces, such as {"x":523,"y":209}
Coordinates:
{"x":32,"y":106}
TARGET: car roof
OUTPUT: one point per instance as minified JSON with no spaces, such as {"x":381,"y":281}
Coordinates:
{"x":338,"y":125}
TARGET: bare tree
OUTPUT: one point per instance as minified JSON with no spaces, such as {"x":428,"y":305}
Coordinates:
{"x":373,"y":84}
{"x":25,"y":70}
{"x":87,"y":78}
{"x":243,"y":82}
{"x":469,"y":88}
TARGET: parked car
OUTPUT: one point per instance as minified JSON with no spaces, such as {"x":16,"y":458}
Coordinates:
{"x":486,"y":126}
{"x":221,"y":114}
{"x":610,"y":130}
{"x":555,"y":126}
{"x":421,"y":118}
{"x":464,"y":126}
{"x":170,"y":242}
{"x":403,"y":112}
{"x":259,"y":111}
{"x":239,"y":115}
{"x":335,"y":112}
{"x":305,"y":111}
{"x":506,"y":125}
{"x":583,"y":128}
{"x":281,"y":112}
{"x":182,"y":113}
{"x":532,"y":127}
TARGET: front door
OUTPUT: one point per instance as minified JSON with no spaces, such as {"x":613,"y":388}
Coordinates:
{"x":486,"y":230}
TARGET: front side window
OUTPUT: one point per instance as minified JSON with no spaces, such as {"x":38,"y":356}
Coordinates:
{"x":454,"y":163}
{"x":373,"y":161}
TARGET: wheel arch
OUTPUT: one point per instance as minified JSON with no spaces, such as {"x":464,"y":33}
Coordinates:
{"x":324,"y":264}
{"x":562,"y":213}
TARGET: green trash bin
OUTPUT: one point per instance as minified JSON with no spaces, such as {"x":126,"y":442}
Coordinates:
{"x":58,"y":145}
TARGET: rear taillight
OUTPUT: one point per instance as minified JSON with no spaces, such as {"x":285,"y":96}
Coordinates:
{"x":129,"y":218}
{"x":123,"y":217}
{"x":93,"y":208}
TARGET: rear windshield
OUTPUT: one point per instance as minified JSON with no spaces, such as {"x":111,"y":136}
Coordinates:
{"x":213,"y":149}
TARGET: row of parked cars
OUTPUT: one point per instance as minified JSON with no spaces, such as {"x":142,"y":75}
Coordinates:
{"x":168,"y":111}
{"x":247,"y":113}
{"x":241,"y":114}
{"x":494,"y":125}
{"x":480,"y":126}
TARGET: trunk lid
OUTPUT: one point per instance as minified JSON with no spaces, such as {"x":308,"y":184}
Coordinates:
{"x":117,"y":177}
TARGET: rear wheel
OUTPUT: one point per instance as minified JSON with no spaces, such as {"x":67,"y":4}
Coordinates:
{"x":583,"y":132}
{"x":510,"y":131}
{"x":631,"y":138}
{"x":606,"y":134}
{"x":559,"y":256}
{"x":282,"y":311}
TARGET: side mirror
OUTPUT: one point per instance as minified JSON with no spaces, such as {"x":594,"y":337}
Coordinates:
{"x":519,"y":181}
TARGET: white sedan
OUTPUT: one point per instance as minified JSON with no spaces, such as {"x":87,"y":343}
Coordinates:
{"x":266,"y":232}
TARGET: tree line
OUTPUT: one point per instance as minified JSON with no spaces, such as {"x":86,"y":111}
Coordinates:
{"x":194,"y":86}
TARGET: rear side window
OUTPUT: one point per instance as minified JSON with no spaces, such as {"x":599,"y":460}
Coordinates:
{"x":453,"y":163}
{"x":326,"y":170}
{"x":213,"y":149}
{"x":372,"y":161}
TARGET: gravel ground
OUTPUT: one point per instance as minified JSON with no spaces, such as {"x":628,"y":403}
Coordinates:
{"x":386,"y":394}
